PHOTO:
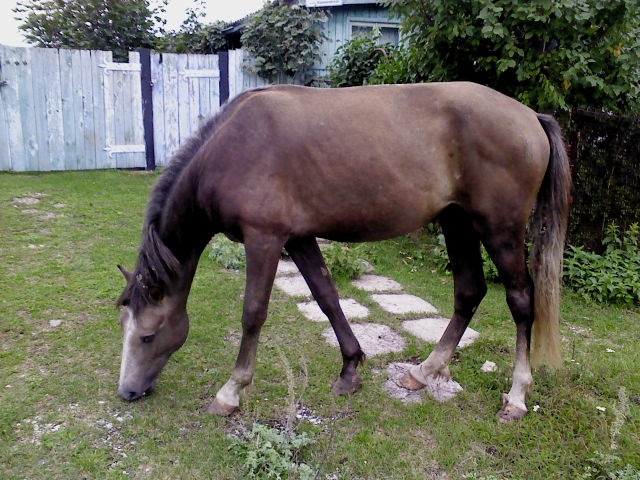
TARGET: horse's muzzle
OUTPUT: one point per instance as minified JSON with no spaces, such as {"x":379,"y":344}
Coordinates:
{"x":131,"y":395}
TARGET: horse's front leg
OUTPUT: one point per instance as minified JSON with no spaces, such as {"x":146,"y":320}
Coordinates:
{"x":307,"y":256}
{"x":263,"y":254}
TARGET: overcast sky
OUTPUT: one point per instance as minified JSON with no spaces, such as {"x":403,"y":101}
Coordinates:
{"x":227,"y":10}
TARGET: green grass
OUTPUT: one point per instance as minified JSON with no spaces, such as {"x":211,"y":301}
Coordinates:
{"x":60,"y":416}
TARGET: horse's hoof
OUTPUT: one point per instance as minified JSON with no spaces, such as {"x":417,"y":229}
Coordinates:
{"x":217,"y":407}
{"x":409,"y":382}
{"x":346,"y":387}
{"x":511,"y":411}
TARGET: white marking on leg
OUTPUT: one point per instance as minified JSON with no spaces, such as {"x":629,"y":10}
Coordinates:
{"x":229,"y":394}
{"x":126,"y":346}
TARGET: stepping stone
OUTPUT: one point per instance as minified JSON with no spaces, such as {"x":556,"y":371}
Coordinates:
{"x":440,"y":389}
{"x":350,"y":307}
{"x":431,"y":329}
{"x":395,"y":371}
{"x":377,"y":283}
{"x":402,"y":303}
{"x":286,"y":267}
{"x":293,"y":285}
{"x":375,"y":339}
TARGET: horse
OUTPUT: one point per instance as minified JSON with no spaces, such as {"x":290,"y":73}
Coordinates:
{"x":280,"y":166}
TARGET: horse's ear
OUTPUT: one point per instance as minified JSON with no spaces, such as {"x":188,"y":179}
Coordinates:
{"x":127,"y":274}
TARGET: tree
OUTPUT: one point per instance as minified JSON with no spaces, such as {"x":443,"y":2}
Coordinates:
{"x":560,"y":54}
{"x":194,"y":36}
{"x":91,"y":24}
{"x":284,"y":41}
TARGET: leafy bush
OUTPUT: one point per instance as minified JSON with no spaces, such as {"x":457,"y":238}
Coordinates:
{"x":284,"y":41}
{"x":613,"y":276}
{"x":442,"y":259}
{"x":271,"y":453}
{"x":608,"y":467}
{"x":343,"y":261}
{"x":357,"y":59}
{"x":227,"y":254}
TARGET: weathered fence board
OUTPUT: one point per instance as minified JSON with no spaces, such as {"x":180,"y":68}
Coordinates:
{"x":79,"y":110}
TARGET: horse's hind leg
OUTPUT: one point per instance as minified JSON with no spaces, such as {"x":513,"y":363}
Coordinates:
{"x":507,"y":250}
{"x":263,"y":254}
{"x":463,"y":247}
{"x":307,"y":256}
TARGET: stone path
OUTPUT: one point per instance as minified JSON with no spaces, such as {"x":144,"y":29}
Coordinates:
{"x":421,"y":320}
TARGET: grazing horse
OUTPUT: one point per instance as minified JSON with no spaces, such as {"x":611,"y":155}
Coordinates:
{"x":280,"y":166}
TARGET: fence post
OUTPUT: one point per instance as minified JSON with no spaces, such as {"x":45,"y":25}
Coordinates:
{"x":223,"y":65}
{"x":146,"y":84}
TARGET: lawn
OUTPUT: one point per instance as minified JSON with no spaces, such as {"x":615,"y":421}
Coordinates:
{"x":62,"y":235}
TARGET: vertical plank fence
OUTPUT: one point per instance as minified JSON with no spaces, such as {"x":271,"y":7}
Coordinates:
{"x":79,"y":110}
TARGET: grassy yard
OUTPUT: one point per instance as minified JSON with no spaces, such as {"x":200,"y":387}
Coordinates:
{"x":61,"y":236}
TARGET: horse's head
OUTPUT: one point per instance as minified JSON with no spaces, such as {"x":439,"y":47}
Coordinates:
{"x":155,"y":324}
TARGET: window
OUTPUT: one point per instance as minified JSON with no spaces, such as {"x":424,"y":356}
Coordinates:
{"x":389,"y":32}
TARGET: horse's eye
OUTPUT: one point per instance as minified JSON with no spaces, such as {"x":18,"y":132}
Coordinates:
{"x":148,"y":338}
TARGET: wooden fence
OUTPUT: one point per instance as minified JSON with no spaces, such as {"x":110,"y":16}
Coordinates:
{"x":79,"y":110}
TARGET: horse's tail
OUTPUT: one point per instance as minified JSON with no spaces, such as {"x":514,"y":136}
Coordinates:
{"x":548,"y":229}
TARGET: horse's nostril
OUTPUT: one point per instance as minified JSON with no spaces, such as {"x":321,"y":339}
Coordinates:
{"x":129,"y":395}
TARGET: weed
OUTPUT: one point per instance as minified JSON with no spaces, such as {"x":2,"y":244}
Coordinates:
{"x":611,"y":277}
{"x":343,"y":261}
{"x":271,"y":453}
{"x":227,"y":254}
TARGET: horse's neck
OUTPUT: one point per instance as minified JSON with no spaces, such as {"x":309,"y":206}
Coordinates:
{"x":185,"y":229}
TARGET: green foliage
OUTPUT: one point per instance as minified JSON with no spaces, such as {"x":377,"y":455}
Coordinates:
{"x":357,"y":60}
{"x":194,"y":36}
{"x":90,"y":24}
{"x":227,"y":254}
{"x":613,"y":276}
{"x":608,"y":467}
{"x":343,"y":261}
{"x":271,"y":453}
{"x":441,"y":259}
{"x":284,"y":42}
{"x":549,"y":55}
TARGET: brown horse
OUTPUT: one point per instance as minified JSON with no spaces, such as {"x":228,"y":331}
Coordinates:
{"x":280,"y":166}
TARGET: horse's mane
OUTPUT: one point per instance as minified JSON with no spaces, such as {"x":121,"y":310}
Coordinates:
{"x":157,"y":265}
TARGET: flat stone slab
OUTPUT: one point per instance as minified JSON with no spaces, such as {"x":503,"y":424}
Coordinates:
{"x":293,"y":285}
{"x":441,"y":389}
{"x":395,"y":371}
{"x":350,"y":308}
{"x":431,"y":329}
{"x":403,"y":303}
{"x":377,"y":283}
{"x":375,"y":339}
{"x":286,"y":267}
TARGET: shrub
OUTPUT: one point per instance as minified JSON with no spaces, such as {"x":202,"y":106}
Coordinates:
{"x":357,"y":59}
{"x":271,"y":453}
{"x":227,"y":254}
{"x":613,"y":276}
{"x":343,"y":262}
{"x":284,"y":41}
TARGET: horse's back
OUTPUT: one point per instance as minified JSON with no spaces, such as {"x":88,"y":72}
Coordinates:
{"x":375,"y":162}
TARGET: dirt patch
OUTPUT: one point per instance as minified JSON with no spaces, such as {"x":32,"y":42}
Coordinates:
{"x":32,"y":199}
